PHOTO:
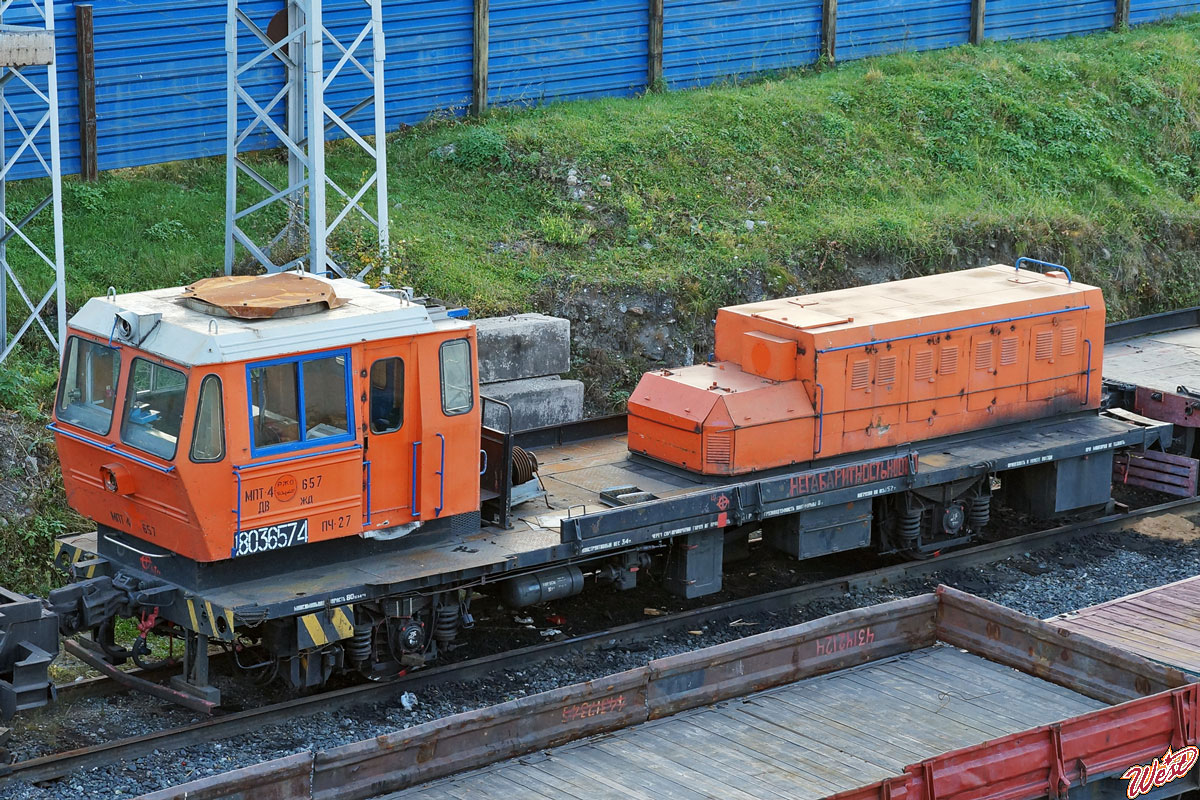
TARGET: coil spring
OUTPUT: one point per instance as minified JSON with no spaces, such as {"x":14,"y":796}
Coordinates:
{"x":445,"y":624}
{"x":358,"y":646}
{"x":524,"y":466}
{"x":980,"y":513}
{"x":908,"y":527}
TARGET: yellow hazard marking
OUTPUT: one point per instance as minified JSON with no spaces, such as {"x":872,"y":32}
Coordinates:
{"x":315,"y":631}
{"x":192,"y":612}
{"x":58,"y":546}
{"x":341,"y":623}
{"x":210,"y":619}
{"x":91,"y":571}
{"x":229,"y":617}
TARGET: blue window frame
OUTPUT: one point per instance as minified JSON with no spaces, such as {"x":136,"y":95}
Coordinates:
{"x":300,"y":402}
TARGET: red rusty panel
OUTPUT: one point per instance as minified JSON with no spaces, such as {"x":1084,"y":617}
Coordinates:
{"x":1049,"y":760}
{"x":1162,"y":624}
{"x":1166,"y":406}
{"x":288,"y":778}
{"x":1163,"y":472}
{"x":465,"y":741}
{"x":1052,"y":651}
{"x":702,"y":677}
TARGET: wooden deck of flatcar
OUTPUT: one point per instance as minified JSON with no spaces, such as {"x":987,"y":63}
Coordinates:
{"x":1162,"y":624}
{"x":1161,"y":360}
{"x":808,"y":739}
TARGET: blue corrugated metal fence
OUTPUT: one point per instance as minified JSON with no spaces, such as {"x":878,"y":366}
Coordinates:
{"x":160,"y":64}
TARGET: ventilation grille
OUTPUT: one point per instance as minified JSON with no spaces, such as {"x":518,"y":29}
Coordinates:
{"x":718,"y":448}
{"x":1008,"y":350}
{"x":860,"y":376}
{"x":1045,"y":345}
{"x":1070,"y":339}
{"x":885,"y":374}
{"x":923,"y":366}
{"x":949,"y":364}
{"x":983,"y":354}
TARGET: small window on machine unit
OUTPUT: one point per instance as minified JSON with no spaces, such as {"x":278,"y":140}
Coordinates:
{"x":387,"y":395}
{"x":457,"y":394}
{"x":153,"y":408}
{"x":300,"y":401}
{"x":208,"y":437}
{"x":87,"y":391}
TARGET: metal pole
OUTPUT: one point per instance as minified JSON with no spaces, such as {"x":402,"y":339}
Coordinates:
{"x":60,"y":276}
{"x":315,"y":66}
{"x":295,"y":235}
{"x":231,"y":129}
{"x":381,"y":183}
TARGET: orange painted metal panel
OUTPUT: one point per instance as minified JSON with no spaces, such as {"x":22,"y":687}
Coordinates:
{"x":895,"y":362}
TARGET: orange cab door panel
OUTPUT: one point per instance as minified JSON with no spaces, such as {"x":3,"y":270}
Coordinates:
{"x":391,"y":410}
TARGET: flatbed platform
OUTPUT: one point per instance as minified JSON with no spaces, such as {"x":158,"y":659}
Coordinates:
{"x":1162,"y":624}
{"x":571,"y":524}
{"x":1162,"y":360}
{"x":805,"y":740}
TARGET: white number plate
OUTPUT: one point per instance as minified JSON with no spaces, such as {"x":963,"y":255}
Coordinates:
{"x":271,"y":537}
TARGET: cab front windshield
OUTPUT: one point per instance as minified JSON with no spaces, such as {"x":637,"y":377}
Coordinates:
{"x":87,"y":391}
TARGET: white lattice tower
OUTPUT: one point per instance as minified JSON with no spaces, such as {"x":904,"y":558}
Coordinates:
{"x":313,"y":58}
{"x":31,"y":253}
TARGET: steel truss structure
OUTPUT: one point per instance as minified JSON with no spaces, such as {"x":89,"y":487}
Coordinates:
{"x":31,"y":257}
{"x":313,"y":59}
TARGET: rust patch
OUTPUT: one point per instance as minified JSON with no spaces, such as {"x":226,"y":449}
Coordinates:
{"x":261,"y":296}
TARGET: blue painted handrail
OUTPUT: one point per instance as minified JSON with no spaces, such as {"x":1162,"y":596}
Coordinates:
{"x":413,"y":501}
{"x":1022,"y":259}
{"x":111,"y":448}
{"x":441,"y":473}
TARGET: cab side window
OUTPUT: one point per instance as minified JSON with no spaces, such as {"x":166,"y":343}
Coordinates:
{"x":387,"y":395}
{"x":208,"y":436}
{"x":457,"y":394}
{"x":153,"y":408}
{"x":300,"y":401}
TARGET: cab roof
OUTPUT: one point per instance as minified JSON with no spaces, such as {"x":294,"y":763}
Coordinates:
{"x":159,"y":323}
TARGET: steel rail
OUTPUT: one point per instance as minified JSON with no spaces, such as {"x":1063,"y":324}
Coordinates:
{"x":63,"y":764}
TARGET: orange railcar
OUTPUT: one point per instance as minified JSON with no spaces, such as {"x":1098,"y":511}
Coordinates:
{"x":213,"y":437}
{"x":827,"y":374}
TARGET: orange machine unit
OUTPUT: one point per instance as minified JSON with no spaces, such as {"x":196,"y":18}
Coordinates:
{"x":240,"y":417}
{"x":827,"y":374}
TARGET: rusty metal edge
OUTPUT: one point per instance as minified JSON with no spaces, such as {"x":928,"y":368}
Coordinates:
{"x":1050,"y":652}
{"x":137,"y":682}
{"x":287,"y":778}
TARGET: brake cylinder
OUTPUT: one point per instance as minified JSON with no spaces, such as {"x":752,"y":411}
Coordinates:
{"x":541,"y":587}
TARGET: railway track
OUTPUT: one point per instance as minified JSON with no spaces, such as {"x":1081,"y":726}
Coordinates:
{"x":60,"y":765}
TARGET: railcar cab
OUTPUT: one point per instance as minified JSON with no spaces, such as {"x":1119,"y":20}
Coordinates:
{"x":238,"y":420}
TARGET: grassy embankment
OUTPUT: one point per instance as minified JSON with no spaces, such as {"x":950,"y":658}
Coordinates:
{"x":1083,"y":150}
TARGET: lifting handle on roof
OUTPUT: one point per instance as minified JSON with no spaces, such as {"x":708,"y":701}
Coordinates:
{"x":1059,"y":267}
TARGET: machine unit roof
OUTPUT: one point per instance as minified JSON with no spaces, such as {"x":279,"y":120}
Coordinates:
{"x":914,"y":298}
{"x":160,"y":322}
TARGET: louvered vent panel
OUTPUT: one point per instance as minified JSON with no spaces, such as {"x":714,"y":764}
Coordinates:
{"x":983,"y":354}
{"x":923,"y":366}
{"x":860,"y":376}
{"x":885,"y":374}
{"x":1008,"y":350}
{"x":1044,"y":348}
{"x":1070,"y":338}
{"x":719,"y":448}
{"x":949,"y":364}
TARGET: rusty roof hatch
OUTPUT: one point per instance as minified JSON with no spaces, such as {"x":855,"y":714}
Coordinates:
{"x":278,"y":296}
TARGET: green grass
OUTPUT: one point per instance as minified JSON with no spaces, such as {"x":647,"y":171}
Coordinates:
{"x":1084,"y":151}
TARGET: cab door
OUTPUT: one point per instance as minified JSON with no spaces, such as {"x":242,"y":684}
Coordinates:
{"x":391,"y":428}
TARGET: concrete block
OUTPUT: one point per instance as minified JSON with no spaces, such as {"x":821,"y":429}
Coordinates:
{"x":523,"y":346}
{"x":536,"y":402}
